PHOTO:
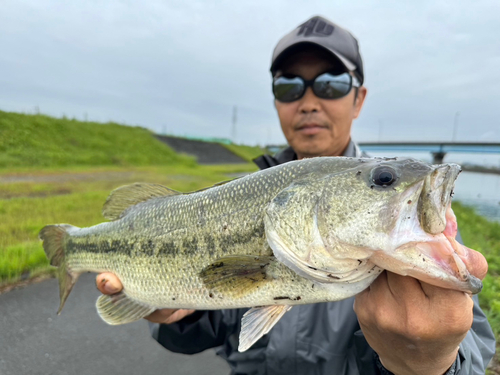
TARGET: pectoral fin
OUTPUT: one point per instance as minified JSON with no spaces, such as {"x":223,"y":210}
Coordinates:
{"x":119,"y":309}
{"x":257,"y":322}
{"x":236,"y":275}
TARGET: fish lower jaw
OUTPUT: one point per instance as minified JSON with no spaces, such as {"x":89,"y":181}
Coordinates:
{"x":435,"y":262}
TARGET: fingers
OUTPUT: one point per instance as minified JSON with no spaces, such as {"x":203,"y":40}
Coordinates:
{"x":388,"y":298}
{"x":393,"y":286}
{"x":369,"y":300}
{"x":412,"y":309}
{"x":108,"y":283}
{"x":405,"y":287}
{"x":168,"y":316}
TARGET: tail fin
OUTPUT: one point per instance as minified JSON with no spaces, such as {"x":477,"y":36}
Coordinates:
{"x":53,"y":243}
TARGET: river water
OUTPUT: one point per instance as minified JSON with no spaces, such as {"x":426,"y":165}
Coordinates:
{"x":481,"y":191}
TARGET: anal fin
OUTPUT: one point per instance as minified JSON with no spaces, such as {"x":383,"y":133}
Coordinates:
{"x":119,"y":309}
{"x":257,"y":322}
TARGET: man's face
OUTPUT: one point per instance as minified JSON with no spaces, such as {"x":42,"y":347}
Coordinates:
{"x":314,"y":126}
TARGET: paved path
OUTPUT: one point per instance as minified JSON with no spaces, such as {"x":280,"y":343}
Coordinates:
{"x":34,"y":340}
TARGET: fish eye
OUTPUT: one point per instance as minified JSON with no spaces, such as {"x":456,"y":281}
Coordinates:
{"x":384,"y":176}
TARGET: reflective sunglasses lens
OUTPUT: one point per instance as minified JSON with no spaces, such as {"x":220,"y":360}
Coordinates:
{"x":329,"y":86}
{"x":288,"y":89}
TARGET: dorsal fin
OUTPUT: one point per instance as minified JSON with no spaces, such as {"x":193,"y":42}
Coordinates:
{"x":214,"y":185}
{"x":129,"y":195}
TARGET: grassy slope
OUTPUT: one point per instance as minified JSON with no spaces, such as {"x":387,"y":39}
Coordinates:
{"x":39,"y":140}
{"x":246,"y":152}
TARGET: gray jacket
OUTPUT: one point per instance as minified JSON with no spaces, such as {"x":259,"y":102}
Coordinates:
{"x":317,"y":339}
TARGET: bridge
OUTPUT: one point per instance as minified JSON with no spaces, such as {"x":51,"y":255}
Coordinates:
{"x":437,"y":149}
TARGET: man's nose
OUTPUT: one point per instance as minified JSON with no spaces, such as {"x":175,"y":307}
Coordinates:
{"x":309,"y":102}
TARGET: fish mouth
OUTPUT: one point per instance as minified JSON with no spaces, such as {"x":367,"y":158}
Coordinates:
{"x":432,"y":255}
{"x":447,"y":249}
{"x":437,"y":218}
{"x":436,"y":197}
{"x":440,"y":261}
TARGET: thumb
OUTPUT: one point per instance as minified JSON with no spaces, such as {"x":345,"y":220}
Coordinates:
{"x":476,"y":263}
{"x":108,"y":283}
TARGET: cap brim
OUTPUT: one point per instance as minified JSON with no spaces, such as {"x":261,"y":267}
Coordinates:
{"x":347,"y":64}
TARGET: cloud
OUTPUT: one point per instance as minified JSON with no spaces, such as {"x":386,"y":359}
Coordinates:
{"x":184,"y":65}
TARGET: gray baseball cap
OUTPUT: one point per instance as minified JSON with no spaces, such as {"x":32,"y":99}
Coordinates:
{"x":323,"y":33}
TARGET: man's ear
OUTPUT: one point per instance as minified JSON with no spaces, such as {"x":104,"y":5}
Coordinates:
{"x":360,"y":99}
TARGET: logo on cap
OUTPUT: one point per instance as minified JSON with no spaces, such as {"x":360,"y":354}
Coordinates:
{"x":315,"y":27}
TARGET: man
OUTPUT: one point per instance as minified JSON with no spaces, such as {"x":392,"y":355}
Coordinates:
{"x":398,"y":324}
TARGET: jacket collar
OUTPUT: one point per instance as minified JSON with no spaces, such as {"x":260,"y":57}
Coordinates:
{"x":288,"y":154}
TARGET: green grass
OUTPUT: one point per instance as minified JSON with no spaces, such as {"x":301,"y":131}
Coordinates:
{"x":484,"y":236}
{"x":246,"y":152}
{"x":26,"y":207}
{"x":66,"y":181}
{"x":39,"y":140}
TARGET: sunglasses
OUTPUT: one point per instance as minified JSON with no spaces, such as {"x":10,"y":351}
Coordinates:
{"x":324,"y":86}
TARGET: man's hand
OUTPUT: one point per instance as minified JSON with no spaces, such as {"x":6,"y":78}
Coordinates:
{"x":107,"y":283}
{"x":414,"y":327}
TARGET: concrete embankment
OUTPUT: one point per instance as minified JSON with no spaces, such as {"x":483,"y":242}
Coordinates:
{"x":204,"y":152}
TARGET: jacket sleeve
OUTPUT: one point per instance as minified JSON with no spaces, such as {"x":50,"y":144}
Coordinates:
{"x":193,"y":334}
{"x":478,"y":347}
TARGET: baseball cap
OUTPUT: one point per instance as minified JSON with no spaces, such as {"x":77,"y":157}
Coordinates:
{"x":324,"y":33}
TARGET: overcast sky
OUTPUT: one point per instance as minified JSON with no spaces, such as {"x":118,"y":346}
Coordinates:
{"x":181,"y":66}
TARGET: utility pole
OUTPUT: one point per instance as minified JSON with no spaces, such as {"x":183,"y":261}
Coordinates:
{"x":235,"y":118}
{"x":455,"y":126}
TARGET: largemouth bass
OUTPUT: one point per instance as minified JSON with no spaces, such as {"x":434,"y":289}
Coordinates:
{"x":308,"y":231}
